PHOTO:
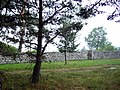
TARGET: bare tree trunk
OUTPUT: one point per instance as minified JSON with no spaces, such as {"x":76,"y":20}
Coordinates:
{"x":37,"y":67}
{"x":20,"y":45}
{"x":65,"y":52}
{"x":65,"y":58}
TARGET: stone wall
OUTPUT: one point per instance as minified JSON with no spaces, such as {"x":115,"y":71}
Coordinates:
{"x":15,"y":58}
{"x":106,"y":55}
{"x":56,"y":56}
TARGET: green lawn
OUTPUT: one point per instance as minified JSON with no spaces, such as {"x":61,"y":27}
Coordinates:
{"x":76,"y":75}
{"x":60,"y":65}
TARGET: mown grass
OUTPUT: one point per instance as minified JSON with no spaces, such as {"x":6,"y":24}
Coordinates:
{"x":60,"y":65}
{"x":76,"y":75}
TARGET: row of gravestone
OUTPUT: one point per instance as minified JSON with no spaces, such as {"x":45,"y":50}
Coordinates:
{"x":56,"y":56}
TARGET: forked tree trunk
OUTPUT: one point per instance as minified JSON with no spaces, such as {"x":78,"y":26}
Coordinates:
{"x":37,"y":67}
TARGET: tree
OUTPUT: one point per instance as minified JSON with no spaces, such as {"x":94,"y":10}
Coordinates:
{"x":39,"y":14}
{"x":118,"y":48}
{"x":6,"y":49}
{"x":113,"y":6}
{"x":58,"y":11}
{"x":97,"y":38}
{"x":68,"y":36}
{"x":17,"y":17}
{"x":108,"y":47}
{"x":37,"y":67}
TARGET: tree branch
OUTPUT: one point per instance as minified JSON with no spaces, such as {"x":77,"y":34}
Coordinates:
{"x":46,"y":21}
{"x":49,"y":42}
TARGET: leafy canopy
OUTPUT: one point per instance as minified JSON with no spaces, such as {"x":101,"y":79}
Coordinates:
{"x":68,"y":34}
{"x":97,"y":38}
{"x":108,"y":47}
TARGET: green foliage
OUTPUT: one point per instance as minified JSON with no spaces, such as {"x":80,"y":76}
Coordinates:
{"x":18,"y":22}
{"x":118,"y":48}
{"x":6,"y":49}
{"x":30,"y":52}
{"x":68,"y":34}
{"x":23,"y":28}
{"x":97,"y":38}
{"x":107,"y":47}
{"x":22,"y":14}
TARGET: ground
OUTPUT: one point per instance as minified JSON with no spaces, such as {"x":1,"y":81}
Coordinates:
{"x":76,"y":75}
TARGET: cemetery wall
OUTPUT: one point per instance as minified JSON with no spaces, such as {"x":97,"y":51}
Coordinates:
{"x":56,"y":56}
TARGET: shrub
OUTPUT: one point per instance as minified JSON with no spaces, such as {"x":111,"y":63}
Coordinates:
{"x":6,"y":49}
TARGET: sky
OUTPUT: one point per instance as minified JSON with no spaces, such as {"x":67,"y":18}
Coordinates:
{"x":111,"y":28}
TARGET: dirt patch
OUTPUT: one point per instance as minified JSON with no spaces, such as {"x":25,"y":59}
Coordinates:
{"x":20,"y":72}
{"x":81,"y":69}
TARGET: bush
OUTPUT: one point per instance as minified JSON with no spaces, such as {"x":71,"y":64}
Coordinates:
{"x":6,"y":49}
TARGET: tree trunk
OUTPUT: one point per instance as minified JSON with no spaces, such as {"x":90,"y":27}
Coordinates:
{"x":65,"y":58}
{"x":20,"y":44}
{"x":37,"y":67}
{"x":22,"y":33}
{"x":22,"y":29}
{"x":36,"y":71}
{"x":65,"y":52}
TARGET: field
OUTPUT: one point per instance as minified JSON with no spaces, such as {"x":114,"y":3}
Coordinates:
{"x":76,"y":75}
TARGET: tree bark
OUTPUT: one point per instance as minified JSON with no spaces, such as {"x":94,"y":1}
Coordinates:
{"x":37,"y":67}
{"x":22,"y":29}
{"x":65,"y":58}
{"x":20,"y":44}
{"x":22,"y":33}
{"x":65,"y":52}
{"x":36,"y":71}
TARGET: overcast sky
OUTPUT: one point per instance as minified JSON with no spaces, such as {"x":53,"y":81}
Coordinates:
{"x":112,"y":29}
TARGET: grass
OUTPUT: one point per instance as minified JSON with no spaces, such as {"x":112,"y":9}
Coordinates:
{"x":59,"y":65}
{"x":76,"y":75}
